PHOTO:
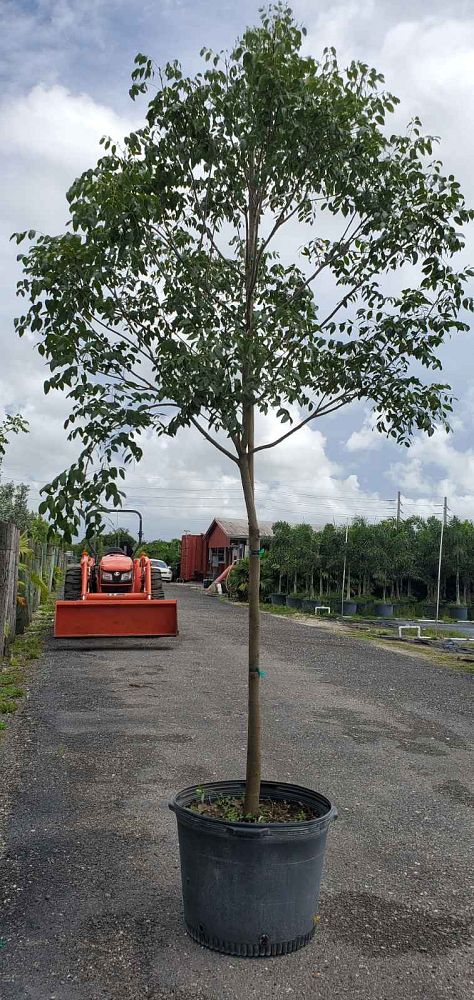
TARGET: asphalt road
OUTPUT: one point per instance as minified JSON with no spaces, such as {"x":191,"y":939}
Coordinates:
{"x":90,"y":876}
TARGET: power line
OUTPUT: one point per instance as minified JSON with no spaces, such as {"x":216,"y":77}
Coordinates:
{"x":282,"y":490}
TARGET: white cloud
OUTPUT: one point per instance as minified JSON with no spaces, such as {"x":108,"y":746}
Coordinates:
{"x":61,"y":129}
{"x":367,"y":438}
{"x":435,"y":468}
{"x":49,"y":136}
{"x":430,"y":65}
{"x":183,"y":482}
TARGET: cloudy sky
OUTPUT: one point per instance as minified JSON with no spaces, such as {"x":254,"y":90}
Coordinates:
{"x":65,"y":66}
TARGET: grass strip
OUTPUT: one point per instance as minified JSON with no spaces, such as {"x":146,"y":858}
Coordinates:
{"x":24,"y":648}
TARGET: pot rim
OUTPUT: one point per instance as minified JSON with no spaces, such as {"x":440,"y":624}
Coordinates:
{"x":273,"y":789}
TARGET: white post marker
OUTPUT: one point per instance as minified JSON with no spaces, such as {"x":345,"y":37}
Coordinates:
{"x":404,"y":628}
{"x":443,"y":525}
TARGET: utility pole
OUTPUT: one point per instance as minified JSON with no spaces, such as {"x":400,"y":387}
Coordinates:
{"x":399,"y":507}
{"x":443,"y":525}
{"x":344,"y":570}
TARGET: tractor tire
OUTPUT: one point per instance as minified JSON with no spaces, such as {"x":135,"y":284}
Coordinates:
{"x":72,"y":583}
{"x":157,"y":592}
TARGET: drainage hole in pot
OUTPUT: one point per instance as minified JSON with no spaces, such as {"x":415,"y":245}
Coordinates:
{"x":263,"y":941}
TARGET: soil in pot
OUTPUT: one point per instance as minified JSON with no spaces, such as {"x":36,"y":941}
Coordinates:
{"x":231,"y":808}
{"x":252,"y":889}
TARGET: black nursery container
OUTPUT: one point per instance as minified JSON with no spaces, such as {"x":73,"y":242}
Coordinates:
{"x":384,"y":610}
{"x":293,"y":602}
{"x":309,"y":604}
{"x":278,"y":598}
{"x":252,"y":889}
{"x":458,"y":612}
{"x":349,"y":608}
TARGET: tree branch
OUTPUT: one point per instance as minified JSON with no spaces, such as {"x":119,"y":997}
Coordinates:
{"x":213,"y":441}
{"x":335,"y":405}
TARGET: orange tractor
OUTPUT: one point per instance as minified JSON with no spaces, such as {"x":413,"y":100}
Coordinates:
{"x":118,"y":596}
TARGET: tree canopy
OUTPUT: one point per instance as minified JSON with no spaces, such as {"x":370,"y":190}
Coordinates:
{"x":167,"y":303}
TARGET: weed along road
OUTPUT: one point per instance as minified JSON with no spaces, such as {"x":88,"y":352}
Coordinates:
{"x":90,"y":871}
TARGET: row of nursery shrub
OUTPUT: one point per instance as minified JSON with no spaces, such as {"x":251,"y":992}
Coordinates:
{"x":391,"y":561}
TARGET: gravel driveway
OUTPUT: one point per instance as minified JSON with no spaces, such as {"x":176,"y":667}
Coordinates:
{"x":90,"y":876}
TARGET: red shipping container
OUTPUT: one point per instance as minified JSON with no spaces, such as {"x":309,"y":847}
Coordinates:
{"x":193,"y":557}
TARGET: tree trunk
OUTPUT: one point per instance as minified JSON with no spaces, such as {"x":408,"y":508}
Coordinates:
{"x":311,"y":588}
{"x":295,"y":582}
{"x":9,"y":554}
{"x":321,"y":583}
{"x":348,"y":588}
{"x":280,"y":583}
{"x":409,"y":587}
{"x":458,"y":589}
{"x":254,"y":753}
{"x":246,"y":465}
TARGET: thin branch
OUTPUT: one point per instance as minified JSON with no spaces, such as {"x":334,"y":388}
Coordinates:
{"x":335,"y":250}
{"x":213,"y":441}
{"x":355,"y":288}
{"x":281,"y":220}
{"x":312,"y":416}
{"x":122,"y":337}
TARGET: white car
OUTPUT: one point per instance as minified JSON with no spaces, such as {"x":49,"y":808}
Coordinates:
{"x":165,"y":570}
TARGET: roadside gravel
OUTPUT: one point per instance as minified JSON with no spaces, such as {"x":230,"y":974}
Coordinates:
{"x":90,"y":872}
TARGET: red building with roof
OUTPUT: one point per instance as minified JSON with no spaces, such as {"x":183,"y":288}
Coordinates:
{"x":225,"y":541}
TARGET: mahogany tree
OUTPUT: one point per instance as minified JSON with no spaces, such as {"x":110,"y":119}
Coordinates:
{"x":167,"y":304}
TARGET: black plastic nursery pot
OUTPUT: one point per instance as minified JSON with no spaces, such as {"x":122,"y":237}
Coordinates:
{"x":384,"y":610}
{"x":278,"y":598}
{"x":349,"y":608}
{"x":252,"y":889}
{"x":458,"y":612}
{"x":293,"y":602}
{"x":308,"y":604}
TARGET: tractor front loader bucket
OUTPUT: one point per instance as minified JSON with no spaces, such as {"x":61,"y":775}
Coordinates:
{"x":115,"y":615}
